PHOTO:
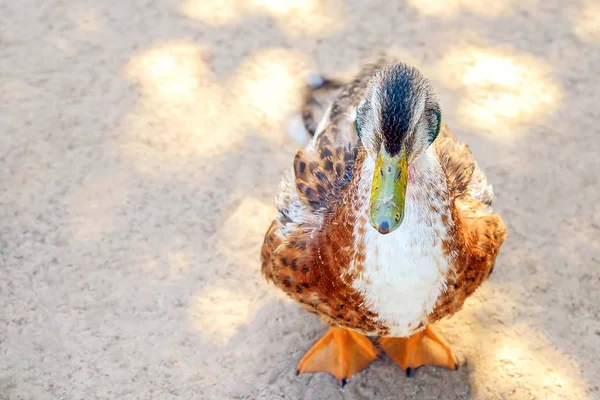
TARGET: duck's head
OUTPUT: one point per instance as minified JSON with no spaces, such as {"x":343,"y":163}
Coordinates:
{"x":397,"y":120}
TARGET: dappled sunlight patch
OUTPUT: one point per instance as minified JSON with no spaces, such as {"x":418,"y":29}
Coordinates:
{"x":293,"y":17}
{"x":507,"y":351}
{"x":145,"y":259}
{"x":586,"y":23}
{"x":186,"y":113}
{"x":176,"y":76}
{"x":524,"y":360}
{"x":217,"y":313}
{"x":502,"y":88}
{"x":179,"y":262}
{"x":183,"y":111}
{"x":267,"y":87}
{"x":215,"y":12}
{"x":448,"y":9}
{"x":243,"y":231}
{"x":305,"y":17}
{"x":173,"y":72}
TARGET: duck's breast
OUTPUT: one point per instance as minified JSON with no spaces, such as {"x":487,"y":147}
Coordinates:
{"x":403,"y":273}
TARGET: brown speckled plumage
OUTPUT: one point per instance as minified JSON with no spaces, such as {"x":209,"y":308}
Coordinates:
{"x":310,"y":263}
{"x":476,"y":237}
{"x":310,"y":250}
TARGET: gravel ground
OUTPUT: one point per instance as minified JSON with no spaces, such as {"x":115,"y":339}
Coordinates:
{"x":142,"y":145}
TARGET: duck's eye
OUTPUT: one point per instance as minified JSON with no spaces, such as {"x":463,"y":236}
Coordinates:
{"x":359,"y":121}
{"x":435,"y":129}
{"x":357,"y":127}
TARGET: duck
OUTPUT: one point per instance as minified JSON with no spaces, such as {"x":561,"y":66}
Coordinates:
{"x":383,"y":224}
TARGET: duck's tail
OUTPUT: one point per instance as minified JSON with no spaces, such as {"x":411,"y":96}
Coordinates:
{"x":320,"y":92}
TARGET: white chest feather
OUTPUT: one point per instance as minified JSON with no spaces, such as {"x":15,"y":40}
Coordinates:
{"x":404,"y":271}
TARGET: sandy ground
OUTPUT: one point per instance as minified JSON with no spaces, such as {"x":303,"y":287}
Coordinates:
{"x":141,"y":146}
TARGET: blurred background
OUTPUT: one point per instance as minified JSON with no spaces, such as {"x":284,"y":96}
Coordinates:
{"x":141,"y":146}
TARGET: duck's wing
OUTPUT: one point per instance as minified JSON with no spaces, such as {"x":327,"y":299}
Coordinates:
{"x":306,"y":251}
{"x":311,"y":213}
{"x":325,"y":166}
{"x":477,"y":235}
{"x":463,"y":175}
{"x":309,"y":194}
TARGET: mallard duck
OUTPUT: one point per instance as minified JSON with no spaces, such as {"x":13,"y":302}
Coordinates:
{"x":384,"y":225}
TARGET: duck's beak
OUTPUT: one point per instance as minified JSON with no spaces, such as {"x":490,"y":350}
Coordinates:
{"x":386,"y":207}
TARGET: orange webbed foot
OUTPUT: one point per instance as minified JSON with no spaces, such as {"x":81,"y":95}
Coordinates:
{"x":422,"y":348}
{"x":340,"y":352}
